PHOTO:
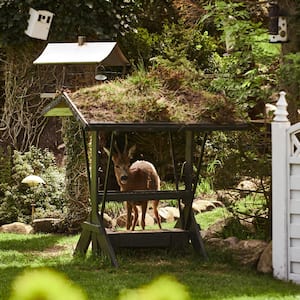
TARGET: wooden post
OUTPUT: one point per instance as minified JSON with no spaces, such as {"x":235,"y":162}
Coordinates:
{"x":93,"y":230}
{"x":189,"y":222}
{"x":280,"y":126}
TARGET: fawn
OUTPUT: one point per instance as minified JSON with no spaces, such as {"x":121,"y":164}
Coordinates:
{"x":141,"y":175}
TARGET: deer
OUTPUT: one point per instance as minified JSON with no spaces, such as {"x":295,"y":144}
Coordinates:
{"x":140,"y":175}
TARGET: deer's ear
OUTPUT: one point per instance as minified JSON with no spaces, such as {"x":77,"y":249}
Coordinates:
{"x":131,"y":151}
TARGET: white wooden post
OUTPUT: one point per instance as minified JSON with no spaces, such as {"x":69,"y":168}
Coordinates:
{"x":280,"y":126}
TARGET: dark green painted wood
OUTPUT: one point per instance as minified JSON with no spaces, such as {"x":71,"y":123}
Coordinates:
{"x":163,"y":126}
{"x":93,"y":230}
{"x":95,"y":233}
{"x":83,"y":242}
{"x":144,"y":195}
{"x":196,"y":238}
{"x":172,"y":239}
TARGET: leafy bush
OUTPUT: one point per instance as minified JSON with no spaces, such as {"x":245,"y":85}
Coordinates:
{"x":246,"y":72}
{"x":290,"y":72}
{"x":17,"y":198}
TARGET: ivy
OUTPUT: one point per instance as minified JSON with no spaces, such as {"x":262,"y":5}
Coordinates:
{"x":96,"y":19}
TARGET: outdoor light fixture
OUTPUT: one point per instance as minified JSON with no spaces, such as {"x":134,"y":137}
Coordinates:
{"x":33,"y":180}
{"x":99,"y":76}
{"x":278,"y":24}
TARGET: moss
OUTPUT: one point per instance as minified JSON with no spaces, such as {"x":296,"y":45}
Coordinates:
{"x":149,"y":97}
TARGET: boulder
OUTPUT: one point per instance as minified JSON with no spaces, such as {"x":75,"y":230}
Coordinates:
{"x":168,"y":213}
{"x":203,"y":205}
{"x":245,"y":252}
{"x":45,"y":225}
{"x":226,"y":244}
{"x":246,"y":187}
{"x":248,"y":252}
{"x":108,"y":221}
{"x":122,"y":219}
{"x":16,"y":227}
{"x":265,"y":261}
{"x":215,"y":229}
{"x":231,"y":241}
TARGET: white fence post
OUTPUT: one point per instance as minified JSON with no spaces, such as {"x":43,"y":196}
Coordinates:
{"x":280,"y":126}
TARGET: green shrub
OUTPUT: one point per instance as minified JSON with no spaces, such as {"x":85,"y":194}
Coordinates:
{"x":17,"y":198}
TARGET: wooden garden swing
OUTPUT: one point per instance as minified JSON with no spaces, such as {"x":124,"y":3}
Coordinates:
{"x":186,"y":231}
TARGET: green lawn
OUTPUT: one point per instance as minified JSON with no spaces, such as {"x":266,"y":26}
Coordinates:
{"x":217,"y":278}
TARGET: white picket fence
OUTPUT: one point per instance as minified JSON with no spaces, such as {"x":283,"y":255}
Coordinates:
{"x":285,"y":195}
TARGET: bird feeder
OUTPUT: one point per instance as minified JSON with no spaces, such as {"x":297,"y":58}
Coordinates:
{"x":278,"y":24}
{"x":39,"y":23}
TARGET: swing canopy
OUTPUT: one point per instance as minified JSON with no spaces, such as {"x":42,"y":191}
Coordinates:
{"x":126,"y":105}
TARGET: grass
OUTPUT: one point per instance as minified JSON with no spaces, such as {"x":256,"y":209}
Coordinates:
{"x":217,"y":278}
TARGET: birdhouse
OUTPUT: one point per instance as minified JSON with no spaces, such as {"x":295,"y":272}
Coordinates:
{"x":278,"y":24}
{"x":39,"y":23}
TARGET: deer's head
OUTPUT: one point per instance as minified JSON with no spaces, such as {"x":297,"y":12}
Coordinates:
{"x":121,"y":161}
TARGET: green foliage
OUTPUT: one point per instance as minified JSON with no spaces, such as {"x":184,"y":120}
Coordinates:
{"x":13,"y":21}
{"x":208,"y":218}
{"x":140,"y":45}
{"x":231,"y":158}
{"x":290,"y":72}
{"x":178,"y":42}
{"x":153,"y":14}
{"x":242,"y":155}
{"x":17,"y":198}
{"x":162,"y":288}
{"x":246,"y":74}
{"x":5,"y":165}
{"x":77,"y":189}
{"x":45,"y":284}
{"x":94,"y":19}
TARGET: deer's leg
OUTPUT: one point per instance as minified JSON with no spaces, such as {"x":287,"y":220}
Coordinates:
{"x":155,"y":210}
{"x":129,"y":215}
{"x":144,"y":210}
{"x":136,"y":216}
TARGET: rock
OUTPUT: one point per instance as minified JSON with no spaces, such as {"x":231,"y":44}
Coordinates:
{"x":217,"y":203}
{"x":245,"y":252}
{"x":247,"y":185}
{"x":231,"y":241}
{"x":226,"y":244}
{"x":16,"y":227}
{"x":169,"y":213}
{"x":248,"y":224}
{"x":215,"y":242}
{"x":248,"y":252}
{"x":46,"y":225}
{"x":149,"y":220}
{"x":122,"y":219}
{"x":108,"y":221}
{"x":203,"y":205}
{"x":265,"y":261}
{"x":215,"y":229}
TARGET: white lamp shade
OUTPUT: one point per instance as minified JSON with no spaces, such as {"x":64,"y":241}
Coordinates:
{"x":33,"y":180}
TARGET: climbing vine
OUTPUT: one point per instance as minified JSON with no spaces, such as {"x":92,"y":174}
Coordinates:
{"x":77,"y":192}
{"x":21,"y":123}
